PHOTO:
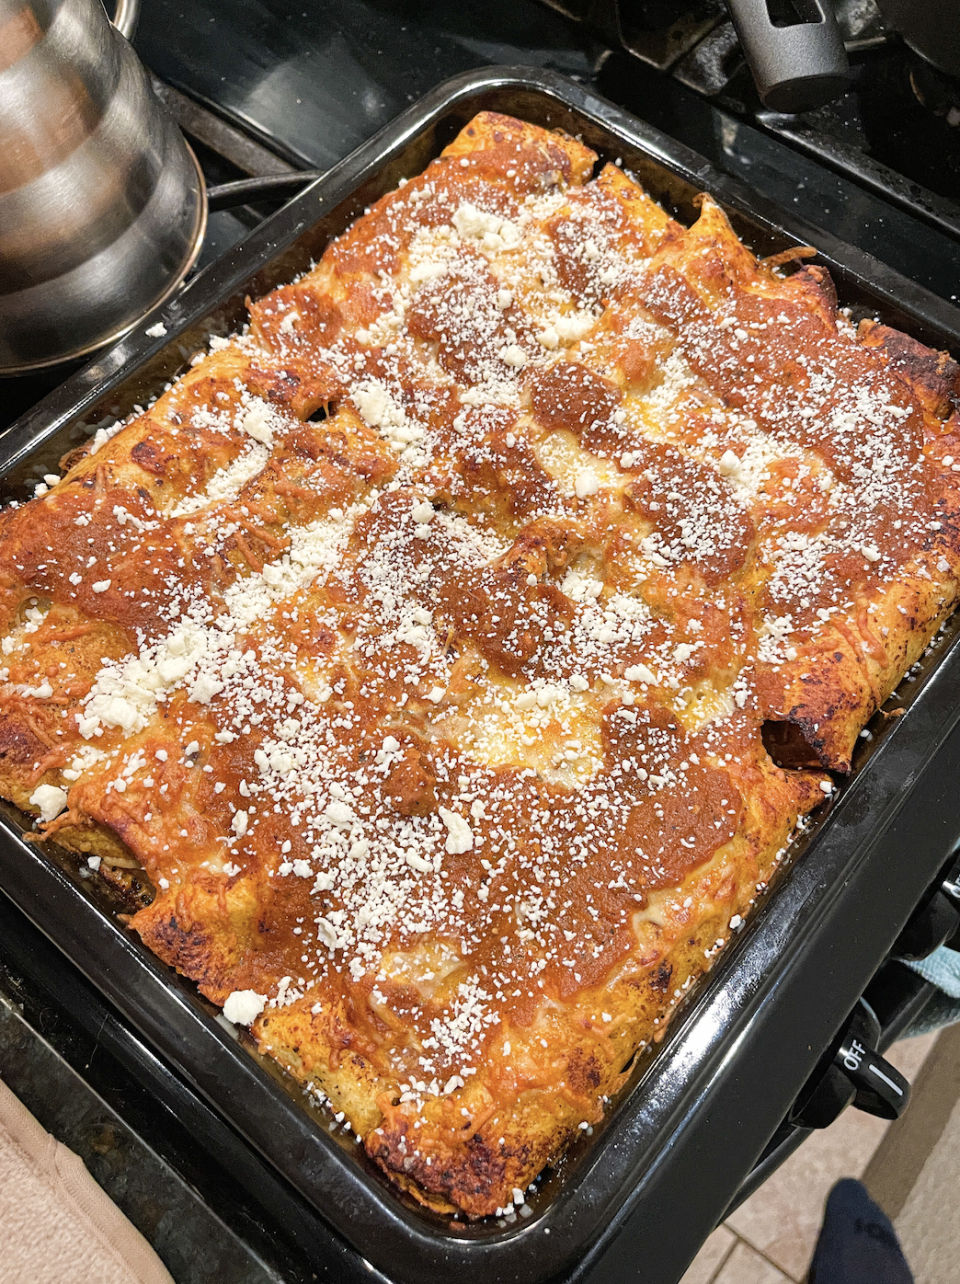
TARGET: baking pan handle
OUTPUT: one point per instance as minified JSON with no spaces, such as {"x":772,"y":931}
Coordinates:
{"x":794,"y":51}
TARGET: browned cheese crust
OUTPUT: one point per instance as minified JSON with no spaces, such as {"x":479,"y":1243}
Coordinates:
{"x":420,"y":649}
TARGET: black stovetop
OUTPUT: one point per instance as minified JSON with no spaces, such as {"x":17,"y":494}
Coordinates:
{"x":308,"y":84}
{"x":316,"y":81}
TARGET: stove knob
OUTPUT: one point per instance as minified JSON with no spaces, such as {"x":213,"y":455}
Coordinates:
{"x":928,"y":928}
{"x":826,"y":1095}
{"x":879,"y":1088}
{"x":951,"y":889}
{"x":852,"y":1072}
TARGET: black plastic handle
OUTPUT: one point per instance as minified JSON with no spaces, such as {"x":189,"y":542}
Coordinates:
{"x":794,"y":51}
{"x":266,"y":187}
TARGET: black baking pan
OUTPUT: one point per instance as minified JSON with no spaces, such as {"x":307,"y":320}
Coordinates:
{"x":643,"y":1191}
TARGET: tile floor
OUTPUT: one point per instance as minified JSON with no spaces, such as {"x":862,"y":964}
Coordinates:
{"x":915,"y":1173}
{"x":770,"y":1238}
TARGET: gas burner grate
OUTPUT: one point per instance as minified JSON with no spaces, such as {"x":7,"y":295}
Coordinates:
{"x":896,"y":130}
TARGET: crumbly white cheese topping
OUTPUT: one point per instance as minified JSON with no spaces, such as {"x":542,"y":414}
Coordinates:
{"x":481,"y":303}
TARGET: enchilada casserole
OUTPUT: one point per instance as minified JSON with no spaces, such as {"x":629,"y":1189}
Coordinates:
{"x":446,"y":661}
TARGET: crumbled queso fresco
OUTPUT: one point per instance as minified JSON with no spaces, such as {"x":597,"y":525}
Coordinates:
{"x":435,"y":617}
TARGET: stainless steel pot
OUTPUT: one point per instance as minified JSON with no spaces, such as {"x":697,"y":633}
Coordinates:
{"x":102,"y":203}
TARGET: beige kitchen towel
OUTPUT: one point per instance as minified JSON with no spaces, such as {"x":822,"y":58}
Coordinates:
{"x":57,"y":1226}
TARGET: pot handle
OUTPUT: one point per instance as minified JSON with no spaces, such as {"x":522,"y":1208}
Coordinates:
{"x":794,"y":51}
{"x":125,"y":17}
